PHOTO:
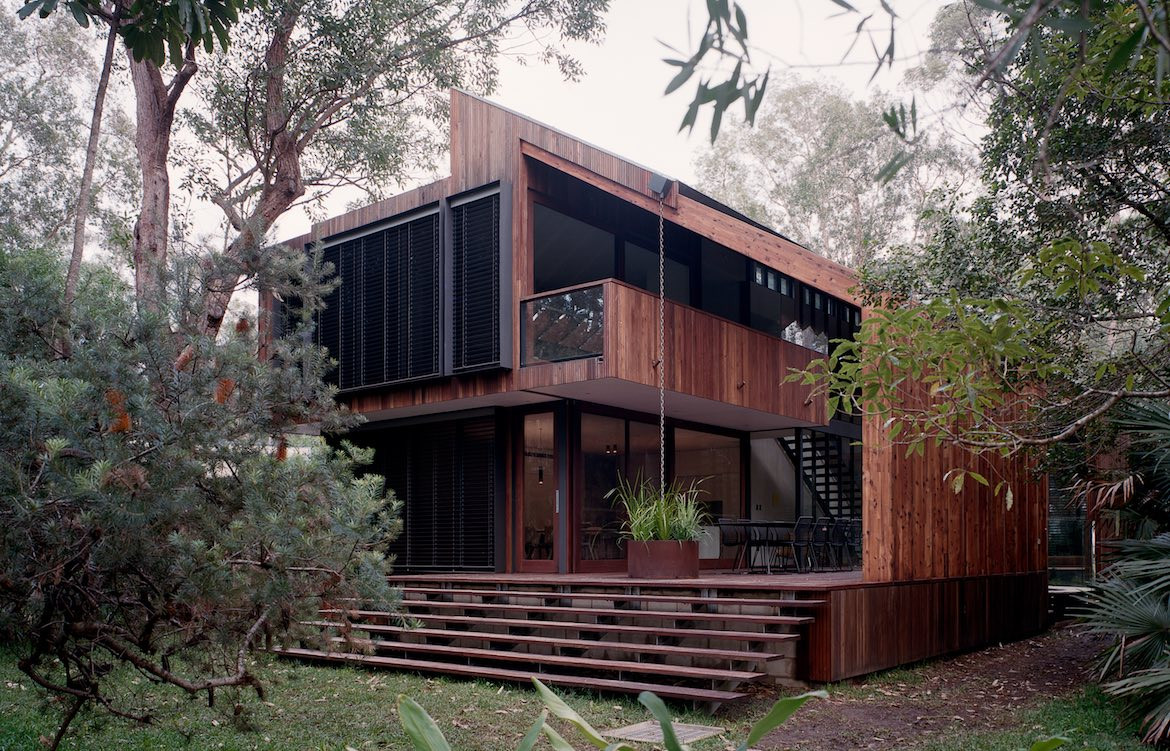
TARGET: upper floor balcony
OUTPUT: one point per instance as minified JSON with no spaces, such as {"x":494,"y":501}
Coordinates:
{"x":598,"y":342}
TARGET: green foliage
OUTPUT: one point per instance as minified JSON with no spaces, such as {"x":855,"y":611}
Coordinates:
{"x":147,"y":514}
{"x":1129,"y":603}
{"x":426,"y":735}
{"x":155,"y":30}
{"x":807,"y":167}
{"x":653,"y":513}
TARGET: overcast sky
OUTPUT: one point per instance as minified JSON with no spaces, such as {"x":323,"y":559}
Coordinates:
{"x":618,"y":104}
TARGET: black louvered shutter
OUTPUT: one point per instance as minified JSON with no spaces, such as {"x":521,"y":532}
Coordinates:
{"x":477,"y":484}
{"x":329,"y":319}
{"x":351,"y":310}
{"x":445,"y":476}
{"x":475,"y":270}
{"x":373,"y":307}
{"x":423,"y":297}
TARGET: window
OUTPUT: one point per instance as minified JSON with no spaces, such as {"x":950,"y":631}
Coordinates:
{"x":568,"y":251}
{"x":715,"y":460}
{"x":723,"y":275}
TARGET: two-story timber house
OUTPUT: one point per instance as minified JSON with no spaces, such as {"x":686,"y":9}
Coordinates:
{"x":499,"y":330}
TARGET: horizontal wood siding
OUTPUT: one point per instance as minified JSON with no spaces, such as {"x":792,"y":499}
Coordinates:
{"x":875,"y":627}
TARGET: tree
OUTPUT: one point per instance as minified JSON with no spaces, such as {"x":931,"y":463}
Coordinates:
{"x":315,"y":97}
{"x":151,"y":518}
{"x":1036,"y":314}
{"x":45,"y":72}
{"x":808,"y":166}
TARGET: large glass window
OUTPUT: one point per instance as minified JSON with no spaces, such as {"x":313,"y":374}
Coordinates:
{"x":723,"y":275}
{"x":642,"y":271}
{"x":715,"y":460}
{"x":540,"y":487}
{"x":568,"y":251}
{"x":603,"y":456}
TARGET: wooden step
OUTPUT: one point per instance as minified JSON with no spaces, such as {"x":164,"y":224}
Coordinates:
{"x":731,"y":655}
{"x":605,"y":628}
{"x":472,"y":671}
{"x":618,"y":597}
{"x":635,"y":614}
{"x":566,"y":661}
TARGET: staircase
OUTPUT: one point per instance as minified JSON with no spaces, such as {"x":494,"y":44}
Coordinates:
{"x":826,"y":468}
{"x":685,"y":642}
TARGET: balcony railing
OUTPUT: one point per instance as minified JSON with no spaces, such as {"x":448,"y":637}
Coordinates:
{"x":564,"y":325}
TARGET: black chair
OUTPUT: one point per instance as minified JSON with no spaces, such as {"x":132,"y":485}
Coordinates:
{"x":855,"y":534}
{"x":822,"y":551}
{"x":798,"y":544}
{"x":734,"y":534}
{"x":839,"y":543}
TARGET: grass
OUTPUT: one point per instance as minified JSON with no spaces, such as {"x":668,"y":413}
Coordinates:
{"x":311,"y":707}
{"x":1088,"y":719}
{"x":318,"y":707}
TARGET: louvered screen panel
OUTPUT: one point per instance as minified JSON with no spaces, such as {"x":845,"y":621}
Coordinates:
{"x":423,"y":296}
{"x":445,"y":475}
{"x":477,"y":508}
{"x":397,"y":339}
{"x":350,"y":352}
{"x":394,"y":464}
{"x":373,"y":306}
{"x":329,"y":319}
{"x":476,"y":283}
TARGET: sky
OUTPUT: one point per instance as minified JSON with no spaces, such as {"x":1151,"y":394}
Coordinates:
{"x":618,"y":104}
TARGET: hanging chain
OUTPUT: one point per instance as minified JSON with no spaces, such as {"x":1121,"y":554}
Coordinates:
{"x":661,"y":352}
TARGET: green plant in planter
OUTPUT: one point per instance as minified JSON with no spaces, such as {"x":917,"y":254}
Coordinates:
{"x":674,"y":513}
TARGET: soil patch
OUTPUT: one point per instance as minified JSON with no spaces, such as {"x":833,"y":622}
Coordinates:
{"x":975,"y":692}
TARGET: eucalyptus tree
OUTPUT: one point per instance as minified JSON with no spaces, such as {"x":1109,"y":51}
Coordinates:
{"x":317,"y":96}
{"x":808,"y":166}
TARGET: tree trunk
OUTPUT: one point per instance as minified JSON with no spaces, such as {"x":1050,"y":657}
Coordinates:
{"x":155,"y":114}
{"x":283,"y":186}
{"x":152,"y":142}
{"x":81,"y":212}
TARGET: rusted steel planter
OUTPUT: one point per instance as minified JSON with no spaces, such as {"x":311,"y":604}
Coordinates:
{"x":662,"y":559}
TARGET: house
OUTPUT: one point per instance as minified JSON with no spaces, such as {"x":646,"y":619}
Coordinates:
{"x":499,"y":331}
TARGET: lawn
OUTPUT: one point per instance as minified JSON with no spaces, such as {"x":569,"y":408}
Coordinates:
{"x":311,"y":707}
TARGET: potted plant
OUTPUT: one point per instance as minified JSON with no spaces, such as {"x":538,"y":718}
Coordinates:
{"x":662,"y":528}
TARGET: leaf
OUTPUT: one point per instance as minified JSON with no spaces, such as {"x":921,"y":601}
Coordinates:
{"x":533,"y":735}
{"x":555,"y":739}
{"x":424,"y":734}
{"x":1048,"y":744}
{"x":662,"y":714}
{"x":560,"y":709}
{"x":778,"y":715}
{"x":684,"y":75}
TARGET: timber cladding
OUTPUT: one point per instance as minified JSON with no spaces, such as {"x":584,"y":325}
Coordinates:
{"x":874,"y":627}
{"x":917,"y":527}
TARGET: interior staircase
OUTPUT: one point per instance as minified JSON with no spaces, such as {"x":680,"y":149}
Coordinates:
{"x":694,"y":644}
{"x":825,"y":466}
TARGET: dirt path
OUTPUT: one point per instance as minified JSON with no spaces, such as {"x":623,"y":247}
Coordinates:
{"x":975,"y":692}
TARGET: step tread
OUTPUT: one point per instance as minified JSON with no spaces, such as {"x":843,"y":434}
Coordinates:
{"x":617,"y":596}
{"x":594,"y":663}
{"x":601,"y":627}
{"x":429,"y":666}
{"x":676,"y":615}
{"x":735,"y":655}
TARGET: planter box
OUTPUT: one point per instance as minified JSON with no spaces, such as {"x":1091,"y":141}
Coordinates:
{"x":662,"y":559}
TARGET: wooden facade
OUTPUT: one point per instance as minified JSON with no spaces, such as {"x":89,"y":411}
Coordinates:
{"x":941,"y":572}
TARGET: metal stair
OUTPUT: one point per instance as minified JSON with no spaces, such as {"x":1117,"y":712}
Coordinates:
{"x":824,"y":463}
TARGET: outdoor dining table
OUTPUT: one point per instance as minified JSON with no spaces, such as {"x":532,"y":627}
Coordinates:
{"x":763,"y":535}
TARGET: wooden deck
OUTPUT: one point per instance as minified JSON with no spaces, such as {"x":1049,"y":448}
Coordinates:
{"x":693,"y":640}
